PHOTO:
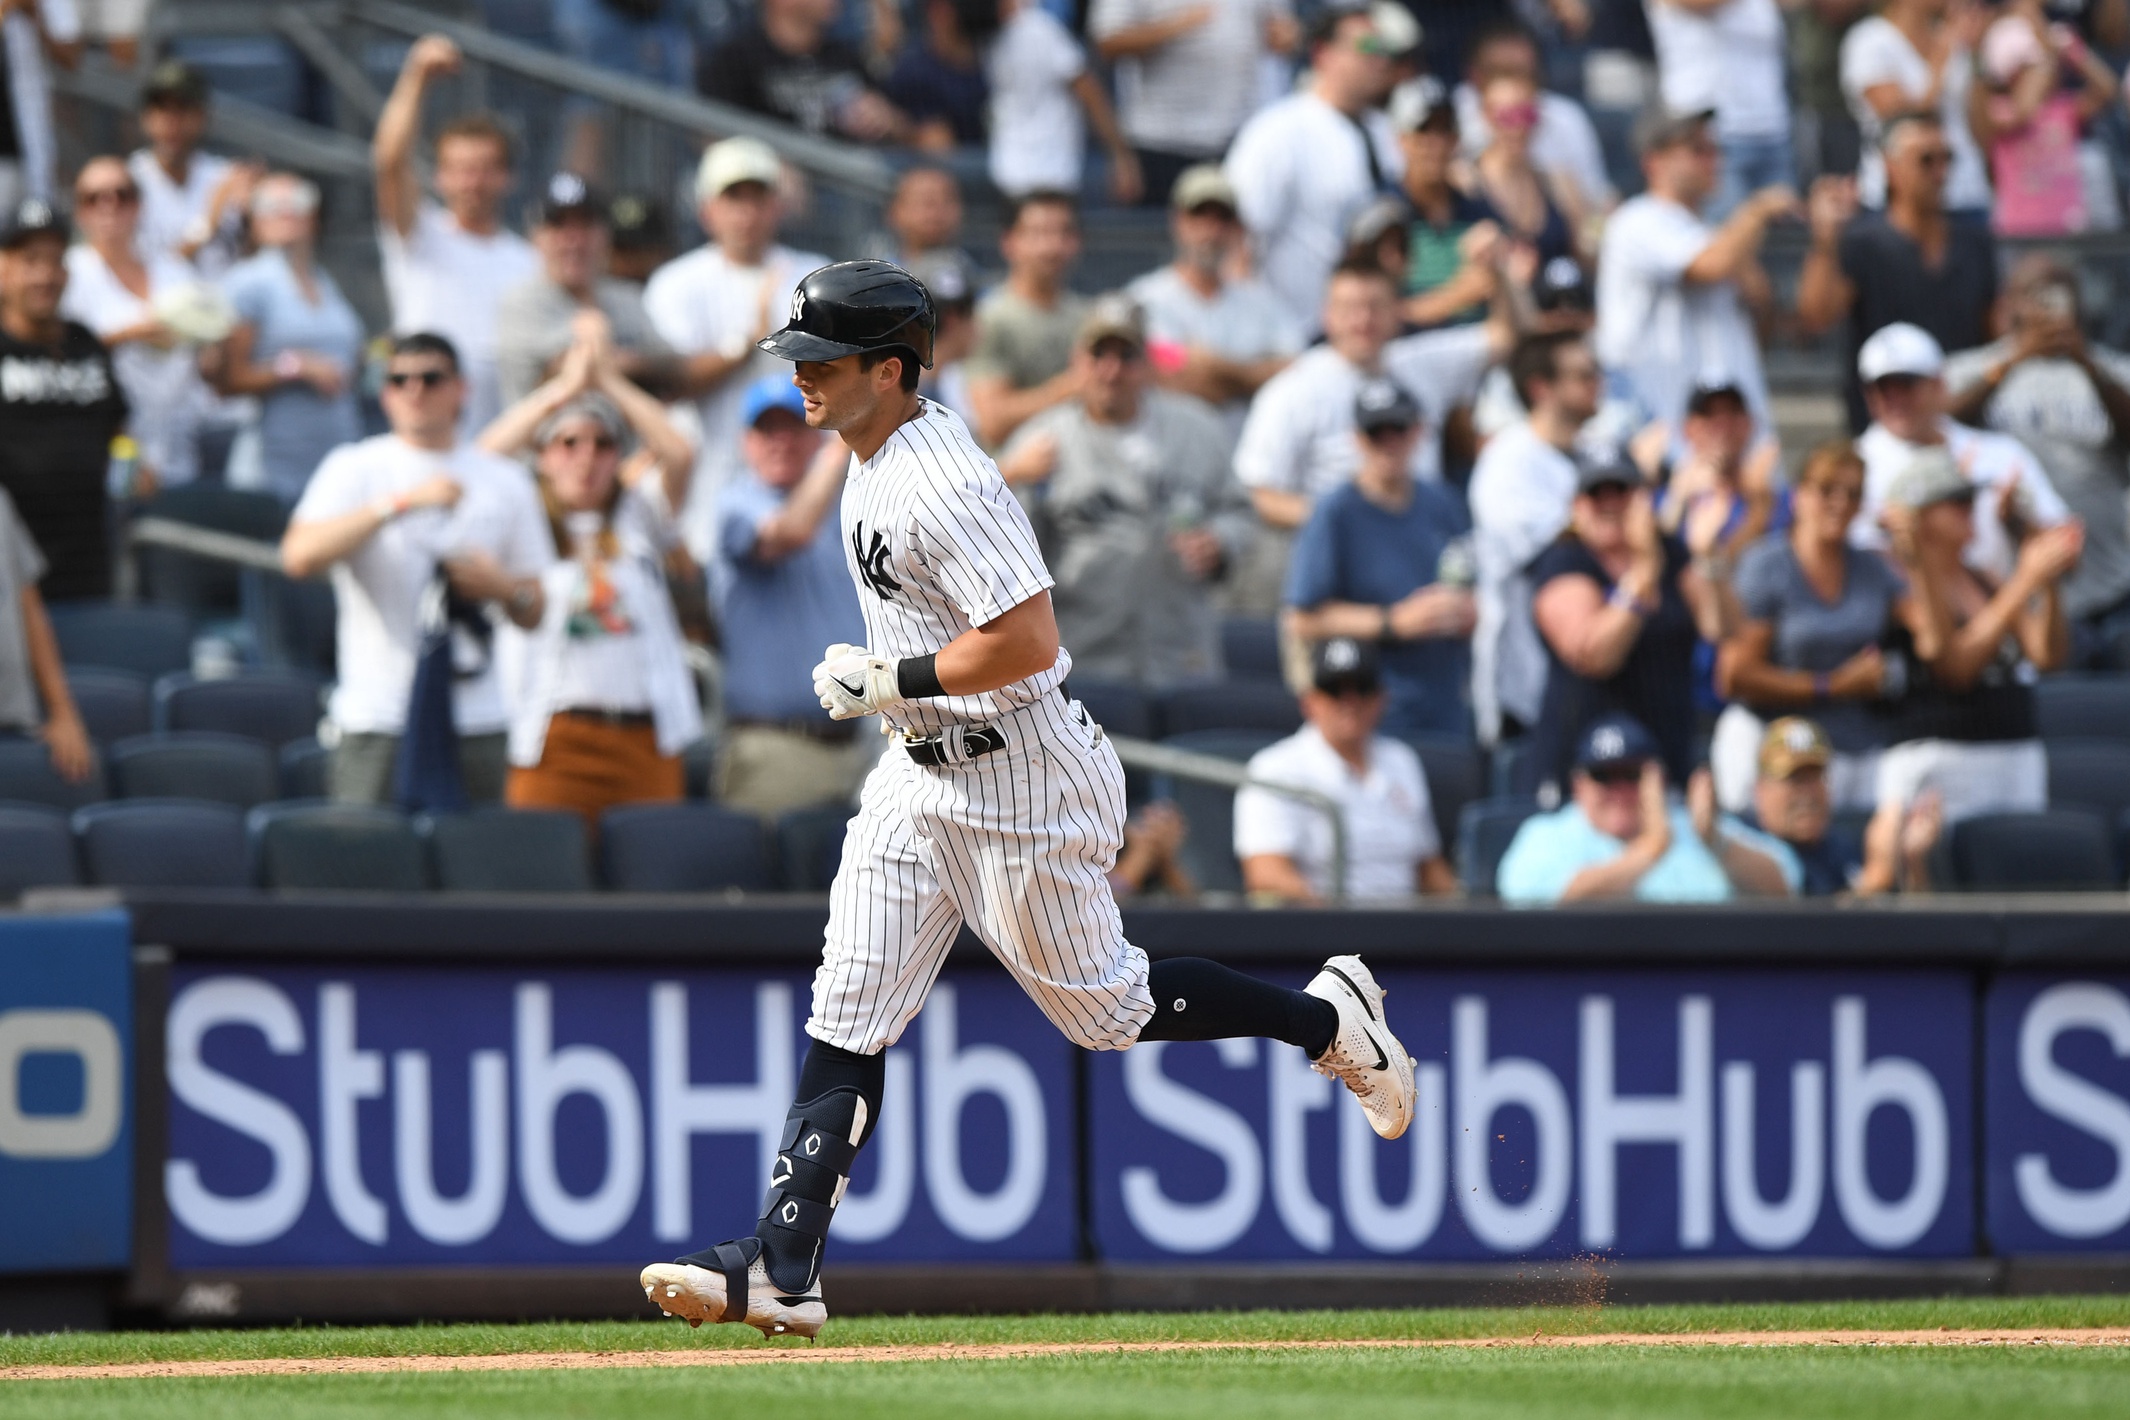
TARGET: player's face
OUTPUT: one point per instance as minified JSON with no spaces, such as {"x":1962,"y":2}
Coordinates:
{"x":839,"y":394}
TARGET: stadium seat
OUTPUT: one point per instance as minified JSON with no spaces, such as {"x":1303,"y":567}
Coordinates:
{"x":1233,"y":705}
{"x":508,"y":850}
{"x":27,"y":776}
{"x":276,"y":708}
{"x":303,"y":770}
{"x":1118,"y":706}
{"x":113,"y":704}
{"x":1455,"y":777}
{"x":202,"y":585}
{"x":683,"y":848}
{"x":229,"y":769}
{"x":699,"y":768}
{"x":335,"y":846}
{"x":1208,"y":853}
{"x":810,"y":846}
{"x":1502,"y":765}
{"x":146,"y":640}
{"x":1249,"y":648}
{"x":2090,"y":774}
{"x":2083,"y":707}
{"x":2063,"y":850}
{"x":163,"y":843}
{"x":35,"y":850}
{"x":1484,"y":832}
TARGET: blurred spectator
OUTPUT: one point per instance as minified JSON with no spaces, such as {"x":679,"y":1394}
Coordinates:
{"x":644,"y":39}
{"x":1965,"y":730}
{"x":1187,"y":75}
{"x":642,"y":237}
{"x":1726,"y":57}
{"x":61,"y":404}
{"x":1619,"y":607}
{"x":1814,"y":613}
{"x":1522,"y":492}
{"x":1791,"y":803}
{"x":1917,"y":56}
{"x":1902,"y":370}
{"x":1720,"y":496}
{"x":786,"y":593}
{"x":297,"y":345}
{"x":385,"y":516}
{"x":950,"y":280}
{"x":1387,"y":560}
{"x":448,"y":263}
{"x":1911,"y":263}
{"x":712,"y":304}
{"x":2068,"y":403}
{"x":782,"y":60}
{"x":1211,"y":334}
{"x":1562,"y":303}
{"x":113,"y":290}
{"x":1392,"y":850}
{"x":34,"y":698}
{"x":1129,"y":489}
{"x":601,"y":699}
{"x":1303,"y":166}
{"x":38,"y":33}
{"x":1025,"y":328}
{"x":1527,"y":204}
{"x":1449,"y":274}
{"x":1828,"y":139}
{"x":192,"y":203}
{"x":2029,"y":119}
{"x":1671,"y":305}
{"x":938,"y":78}
{"x":1043,"y":96}
{"x":115,"y":26}
{"x":1148,"y":862}
{"x":1618,"y":836}
{"x":923,"y":216}
{"x":534,"y":321}
{"x":1563,"y":143}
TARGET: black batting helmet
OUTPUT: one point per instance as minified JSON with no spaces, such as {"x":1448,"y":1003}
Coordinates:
{"x":852,"y":307}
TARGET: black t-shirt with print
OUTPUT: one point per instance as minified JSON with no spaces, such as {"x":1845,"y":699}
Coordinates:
{"x":60,"y":405}
{"x":805,"y":90}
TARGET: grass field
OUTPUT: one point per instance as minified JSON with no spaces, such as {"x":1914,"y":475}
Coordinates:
{"x":1528,"y":1383}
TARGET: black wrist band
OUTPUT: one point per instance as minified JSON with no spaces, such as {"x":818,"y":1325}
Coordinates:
{"x":916,"y":678}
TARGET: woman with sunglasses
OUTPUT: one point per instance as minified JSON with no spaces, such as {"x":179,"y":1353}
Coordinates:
{"x":297,"y":345}
{"x":1527,"y":204}
{"x":601,"y":698}
{"x":112,"y":290}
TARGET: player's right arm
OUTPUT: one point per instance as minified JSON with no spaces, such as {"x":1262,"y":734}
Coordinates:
{"x":1014,"y":645}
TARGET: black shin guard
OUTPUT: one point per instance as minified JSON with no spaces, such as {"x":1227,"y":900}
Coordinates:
{"x":1196,"y":999}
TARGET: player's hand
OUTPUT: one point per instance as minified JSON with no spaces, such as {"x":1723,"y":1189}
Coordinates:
{"x":853,"y":682}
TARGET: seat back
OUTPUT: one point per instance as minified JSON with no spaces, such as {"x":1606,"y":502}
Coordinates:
{"x":1484,"y":832}
{"x":1118,"y":706}
{"x":275,"y":708}
{"x":27,"y":776}
{"x":229,"y":769}
{"x":2062,"y":850}
{"x":1233,"y":705}
{"x":810,"y":846}
{"x":35,"y":850}
{"x":202,"y":584}
{"x":1249,"y":648}
{"x":1208,"y":852}
{"x":2083,"y":707}
{"x":683,"y":848}
{"x":113,"y":704}
{"x":1456,"y":776}
{"x":145,"y":639}
{"x":2090,"y":774}
{"x":164,"y":843}
{"x":335,"y":846}
{"x":303,"y":770}
{"x":508,"y":850}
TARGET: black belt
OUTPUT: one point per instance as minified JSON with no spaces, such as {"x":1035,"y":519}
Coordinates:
{"x":619,"y":719}
{"x":931,"y":750}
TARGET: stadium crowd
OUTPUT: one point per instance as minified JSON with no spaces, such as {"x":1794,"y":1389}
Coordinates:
{"x":1455,"y":378}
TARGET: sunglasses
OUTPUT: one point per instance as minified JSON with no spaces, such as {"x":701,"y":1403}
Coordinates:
{"x":602,"y":443}
{"x":1601,"y":491}
{"x":1388,"y":433}
{"x":427,"y":379}
{"x":1838,"y":492}
{"x":108,"y":196}
{"x":1613,"y":776}
{"x":1934,"y":158}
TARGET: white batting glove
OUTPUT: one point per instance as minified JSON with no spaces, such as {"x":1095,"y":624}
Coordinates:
{"x":853,"y":682}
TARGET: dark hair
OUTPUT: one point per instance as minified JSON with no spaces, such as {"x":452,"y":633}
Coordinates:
{"x":1536,"y":360}
{"x":1325,"y":28}
{"x":1041,"y":197}
{"x":911,"y":370}
{"x":1363,"y":264}
{"x":1503,"y":31}
{"x":424,"y":342}
{"x":482,"y":126}
{"x":979,"y":19}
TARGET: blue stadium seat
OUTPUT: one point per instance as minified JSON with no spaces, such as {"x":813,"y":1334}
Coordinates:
{"x":1455,"y":775}
{"x":2090,"y":774}
{"x":683,"y":848}
{"x":203,"y":586}
{"x":1118,"y":706}
{"x":810,"y":846}
{"x":276,"y":708}
{"x":1208,"y":853}
{"x":1484,"y":832}
{"x":336,"y":847}
{"x":2062,"y":850}
{"x":1233,"y":705}
{"x":1249,"y":648}
{"x":164,"y":843}
{"x":146,"y":640}
{"x":303,"y":769}
{"x":229,"y":769}
{"x":508,"y":850}
{"x":2083,"y":707}
{"x":27,"y":776}
{"x":35,"y":850}
{"x":113,"y":704}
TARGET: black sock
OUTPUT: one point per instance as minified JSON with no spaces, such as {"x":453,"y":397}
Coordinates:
{"x":1196,"y":999}
{"x":830,"y":1067}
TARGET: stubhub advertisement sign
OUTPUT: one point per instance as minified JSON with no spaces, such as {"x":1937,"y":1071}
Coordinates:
{"x":2059,"y":1113}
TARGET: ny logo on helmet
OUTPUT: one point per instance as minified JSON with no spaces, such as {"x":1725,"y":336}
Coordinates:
{"x":872,"y":560}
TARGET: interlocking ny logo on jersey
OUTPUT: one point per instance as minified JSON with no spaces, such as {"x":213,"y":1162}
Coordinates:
{"x":872,"y":558}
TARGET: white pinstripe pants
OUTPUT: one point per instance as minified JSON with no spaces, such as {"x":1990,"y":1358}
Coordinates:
{"x":1018,"y":844}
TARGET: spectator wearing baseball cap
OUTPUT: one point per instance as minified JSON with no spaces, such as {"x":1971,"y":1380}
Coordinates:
{"x":1210,"y":333}
{"x":1393,"y":849}
{"x":1389,"y":560}
{"x":1449,"y":269}
{"x":192,"y":203}
{"x":713,"y":303}
{"x":1791,"y":802}
{"x":782,"y":585}
{"x":1620,"y":835}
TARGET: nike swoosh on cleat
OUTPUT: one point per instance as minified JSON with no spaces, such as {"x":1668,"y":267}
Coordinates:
{"x":1382,"y":1060}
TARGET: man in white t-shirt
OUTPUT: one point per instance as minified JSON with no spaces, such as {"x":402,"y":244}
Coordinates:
{"x":1208,"y":334}
{"x":1903,"y":370}
{"x":384,"y":515}
{"x":1565,"y":142}
{"x":448,"y":263}
{"x":1912,"y":55}
{"x":1730,"y":56}
{"x":1671,"y":311}
{"x":1521,"y":491}
{"x":1302,"y":167}
{"x":711,"y":306}
{"x":1043,"y":100}
{"x":1393,"y":849}
{"x":192,"y":203}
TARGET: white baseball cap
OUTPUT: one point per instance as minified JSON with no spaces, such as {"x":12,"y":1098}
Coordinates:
{"x":1900,"y":349}
{"x":736,"y":160}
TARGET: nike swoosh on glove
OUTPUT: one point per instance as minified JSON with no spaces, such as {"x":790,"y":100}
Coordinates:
{"x":852,"y":681}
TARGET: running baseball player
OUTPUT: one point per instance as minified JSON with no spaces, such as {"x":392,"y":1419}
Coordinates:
{"x":1000,"y":805}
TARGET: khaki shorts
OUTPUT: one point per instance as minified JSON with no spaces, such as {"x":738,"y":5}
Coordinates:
{"x":360,"y":771}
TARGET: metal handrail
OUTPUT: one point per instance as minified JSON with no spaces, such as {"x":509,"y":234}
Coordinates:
{"x":204,"y":542}
{"x":1211,"y":769}
{"x":235,"y":124}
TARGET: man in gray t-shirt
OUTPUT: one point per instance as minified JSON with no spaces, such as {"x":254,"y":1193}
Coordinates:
{"x":30,"y":669}
{"x":2069,"y":403}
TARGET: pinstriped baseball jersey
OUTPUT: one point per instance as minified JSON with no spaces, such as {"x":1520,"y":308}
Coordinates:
{"x":937,"y":545}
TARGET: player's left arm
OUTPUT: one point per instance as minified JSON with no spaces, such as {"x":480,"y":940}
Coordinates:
{"x":1014,"y":645}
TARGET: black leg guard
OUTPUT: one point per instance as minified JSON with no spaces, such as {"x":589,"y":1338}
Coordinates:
{"x":1196,"y":999}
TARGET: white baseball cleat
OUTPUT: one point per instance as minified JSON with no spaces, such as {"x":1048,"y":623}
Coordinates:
{"x":699,"y":1294}
{"x":1364,"y":1056}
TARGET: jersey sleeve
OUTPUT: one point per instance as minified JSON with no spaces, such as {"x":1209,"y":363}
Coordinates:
{"x":975,"y":540}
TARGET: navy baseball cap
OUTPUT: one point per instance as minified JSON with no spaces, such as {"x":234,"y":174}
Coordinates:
{"x":1612,"y":741}
{"x":771,"y":392}
{"x":1384,"y":404}
{"x":1345,"y":663}
{"x":31,"y":218}
{"x":1562,"y":284}
{"x":566,"y":196}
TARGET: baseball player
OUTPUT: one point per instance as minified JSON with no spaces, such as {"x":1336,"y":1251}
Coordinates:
{"x":1000,"y":805}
